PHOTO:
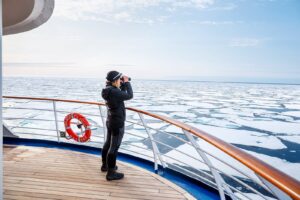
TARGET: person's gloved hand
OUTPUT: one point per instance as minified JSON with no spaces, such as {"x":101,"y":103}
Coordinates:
{"x":125,"y":79}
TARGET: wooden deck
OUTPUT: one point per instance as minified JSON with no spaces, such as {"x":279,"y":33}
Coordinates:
{"x":48,"y":173}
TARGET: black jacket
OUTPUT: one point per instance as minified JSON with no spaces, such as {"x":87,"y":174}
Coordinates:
{"x":115,"y":98}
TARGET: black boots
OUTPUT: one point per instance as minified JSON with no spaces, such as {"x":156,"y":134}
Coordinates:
{"x":113,"y":175}
{"x":104,"y":168}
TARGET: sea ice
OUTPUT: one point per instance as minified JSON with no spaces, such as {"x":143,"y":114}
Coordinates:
{"x":173,"y":129}
{"x":271,"y":125}
{"x":292,"y":106}
{"x":291,"y":138}
{"x":168,"y":108}
{"x":199,"y":104}
{"x":242,"y":137}
{"x":292,"y":113}
{"x":183,"y":114}
{"x":156,"y":125}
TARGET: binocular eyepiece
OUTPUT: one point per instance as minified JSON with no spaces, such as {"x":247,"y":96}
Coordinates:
{"x":122,"y":78}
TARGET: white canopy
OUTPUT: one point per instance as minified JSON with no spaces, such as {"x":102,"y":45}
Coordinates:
{"x":24,"y":15}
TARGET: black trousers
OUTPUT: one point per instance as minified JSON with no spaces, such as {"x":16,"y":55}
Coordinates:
{"x":111,"y":146}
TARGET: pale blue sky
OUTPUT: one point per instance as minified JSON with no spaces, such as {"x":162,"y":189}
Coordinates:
{"x":220,"y":40}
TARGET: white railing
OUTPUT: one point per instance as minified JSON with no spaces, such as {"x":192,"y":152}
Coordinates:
{"x":164,"y":141}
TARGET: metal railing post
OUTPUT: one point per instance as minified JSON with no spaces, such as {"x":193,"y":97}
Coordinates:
{"x":1,"y":123}
{"x":219,"y":180}
{"x":56,"y":121}
{"x":155,"y":149}
{"x":103,"y":121}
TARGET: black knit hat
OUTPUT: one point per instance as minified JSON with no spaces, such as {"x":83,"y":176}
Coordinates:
{"x":113,"y":75}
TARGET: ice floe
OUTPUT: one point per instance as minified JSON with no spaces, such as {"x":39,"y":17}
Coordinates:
{"x":271,"y":125}
{"x":183,"y":114}
{"x":244,"y":137}
{"x":292,"y":113}
{"x":168,"y":108}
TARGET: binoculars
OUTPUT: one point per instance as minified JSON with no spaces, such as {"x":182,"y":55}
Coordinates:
{"x":122,"y":79}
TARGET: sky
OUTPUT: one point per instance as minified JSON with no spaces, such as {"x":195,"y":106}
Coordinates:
{"x":202,"y":40}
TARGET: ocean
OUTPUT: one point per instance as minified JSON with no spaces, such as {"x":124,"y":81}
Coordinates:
{"x":262,"y":119}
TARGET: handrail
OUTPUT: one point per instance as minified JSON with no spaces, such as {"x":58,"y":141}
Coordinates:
{"x":53,"y":99}
{"x":284,"y":182}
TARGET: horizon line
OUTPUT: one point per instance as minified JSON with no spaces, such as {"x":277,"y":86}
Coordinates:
{"x":182,"y":80}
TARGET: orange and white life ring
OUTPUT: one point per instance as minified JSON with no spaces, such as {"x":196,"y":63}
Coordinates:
{"x":87,"y":134}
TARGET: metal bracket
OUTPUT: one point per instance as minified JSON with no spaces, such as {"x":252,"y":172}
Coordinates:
{"x":63,"y":134}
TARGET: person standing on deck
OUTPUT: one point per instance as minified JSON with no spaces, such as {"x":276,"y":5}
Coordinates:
{"x":118,"y":89}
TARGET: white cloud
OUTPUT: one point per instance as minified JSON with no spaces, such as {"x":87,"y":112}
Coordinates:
{"x":245,"y":42}
{"x":125,"y":10}
{"x":215,"y":23}
{"x":191,"y":3}
{"x":122,"y":16}
{"x":227,"y":7}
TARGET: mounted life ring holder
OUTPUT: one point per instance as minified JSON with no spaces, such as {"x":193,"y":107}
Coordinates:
{"x":87,"y":134}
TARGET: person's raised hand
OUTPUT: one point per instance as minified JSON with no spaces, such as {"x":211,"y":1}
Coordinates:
{"x":125,"y":79}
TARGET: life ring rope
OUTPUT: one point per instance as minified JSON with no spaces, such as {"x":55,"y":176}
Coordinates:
{"x":87,"y":134}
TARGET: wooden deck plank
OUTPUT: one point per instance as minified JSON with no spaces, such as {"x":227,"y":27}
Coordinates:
{"x":100,"y":191}
{"x":49,"y":173}
{"x":102,"y":188}
{"x":145,"y":196}
{"x":79,"y":186}
{"x":11,"y":194}
{"x":49,"y":192}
